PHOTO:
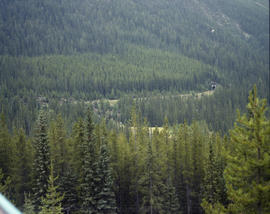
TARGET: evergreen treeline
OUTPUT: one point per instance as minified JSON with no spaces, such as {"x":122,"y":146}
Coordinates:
{"x":179,"y":169}
{"x":65,"y":83}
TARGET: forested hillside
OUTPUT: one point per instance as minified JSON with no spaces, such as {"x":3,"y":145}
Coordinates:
{"x":87,"y":50}
{"x":182,"y":66}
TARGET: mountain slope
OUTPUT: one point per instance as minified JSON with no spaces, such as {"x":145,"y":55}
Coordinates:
{"x":37,"y":27}
{"x":91,"y":49}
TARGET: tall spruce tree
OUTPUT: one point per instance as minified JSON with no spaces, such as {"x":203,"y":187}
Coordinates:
{"x":89,"y":166}
{"x":60,"y":157}
{"x":247,"y":172}
{"x":58,"y":146}
{"x":41,"y":168}
{"x":74,"y":176}
{"x":151,"y":181}
{"x":105,"y":197}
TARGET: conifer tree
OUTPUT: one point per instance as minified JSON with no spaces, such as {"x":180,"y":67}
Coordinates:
{"x":60,"y":157}
{"x":211,"y":178}
{"x":187,"y":172}
{"x":89,"y":166}
{"x":221,"y":163}
{"x":51,"y":203}
{"x":149,"y":199}
{"x":58,"y":146}
{"x":214,"y":187}
{"x":78,"y":133}
{"x":151,"y":182}
{"x":69,"y":189}
{"x":247,"y":172}
{"x":134,"y":153}
{"x":75,"y":174}
{"x":122,"y":173}
{"x":22,"y":167}
{"x":105,"y":197}
{"x":197,"y":161}
{"x":28,"y":207}
{"x":175,"y":159}
{"x":41,"y":160}
{"x":170,"y":200}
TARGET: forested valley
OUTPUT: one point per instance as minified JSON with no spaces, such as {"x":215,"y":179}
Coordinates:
{"x":135,"y":106}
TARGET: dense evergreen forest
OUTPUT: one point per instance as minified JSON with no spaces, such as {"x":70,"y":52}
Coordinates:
{"x":67,"y":54}
{"x":108,"y":106}
{"x":175,"y":169}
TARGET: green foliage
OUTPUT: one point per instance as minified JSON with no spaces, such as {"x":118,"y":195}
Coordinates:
{"x":121,"y":160}
{"x":151,"y":181}
{"x":22,"y":169}
{"x":214,"y":193}
{"x":211,"y":177}
{"x":87,"y":53}
{"x":170,"y":201}
{"x":28,"y":207}
{"x":5,"y":147}
{"x":89,"y":167}
{"x":58,"y":145}
{"x":66,"y":55}
{"x":105,"y":197}
{"x":247,"y":171}
{"x":4,"y":183}
{"x":41,"y":160}
{"x":63,"y":27}
{"x":140,"y":170}
{"x":51,"y":203}
{"x":77,"y":146}
{"x":215,"y":208}
{"x":68,"y":187}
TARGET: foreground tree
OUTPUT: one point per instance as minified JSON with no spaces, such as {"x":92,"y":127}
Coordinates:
{"x":89,"y":166}
{"x":247,"y":173}
{"x":51,"y":204}
{"x":41,"y":160}
{"x":105,"y":197}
